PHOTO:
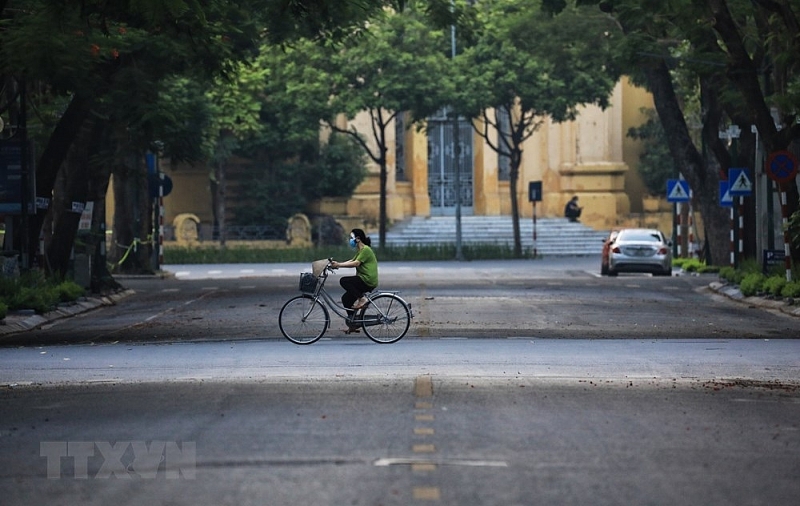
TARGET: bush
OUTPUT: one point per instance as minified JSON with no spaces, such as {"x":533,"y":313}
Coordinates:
{"x":69,"y":291}
{"x":731,"y":275}
{"x":752,"y":284}
{"x":694,"y":265}
{"x":33,"y":291}
{"x":773,"y":285}
{"x":791,"y":289}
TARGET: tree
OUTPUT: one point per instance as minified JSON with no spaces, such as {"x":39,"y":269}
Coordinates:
{"x":525,"y":66}
{"x":396,"y":67}
{"x":85,"y":49}
{"x":742,"y":58}
{"x":656,"y":166}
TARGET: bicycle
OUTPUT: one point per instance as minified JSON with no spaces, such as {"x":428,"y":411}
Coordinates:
{"x":304,"y":319}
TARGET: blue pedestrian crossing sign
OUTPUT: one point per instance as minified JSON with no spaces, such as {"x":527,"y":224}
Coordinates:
{"x":677,"y":190}
{"x":725,"y":199}
{"x":739,"y":182}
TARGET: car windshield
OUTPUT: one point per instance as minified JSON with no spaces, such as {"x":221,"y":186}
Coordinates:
{"x":643,"y":236}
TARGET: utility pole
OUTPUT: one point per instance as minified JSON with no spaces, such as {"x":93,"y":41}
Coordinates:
{"x":456,"y":152}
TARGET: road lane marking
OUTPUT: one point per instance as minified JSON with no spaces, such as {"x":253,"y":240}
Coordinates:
{"x":423,"y":389}
{"x":420,"y":467}
{"x":427,"y":494}
{"x":404,"y":461}
{"x":423,"y":386}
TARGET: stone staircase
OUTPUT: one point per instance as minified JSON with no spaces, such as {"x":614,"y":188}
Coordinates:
{"x":554,"y":236}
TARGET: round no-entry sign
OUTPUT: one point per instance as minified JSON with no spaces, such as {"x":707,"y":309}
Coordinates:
{"x":781,"y":166}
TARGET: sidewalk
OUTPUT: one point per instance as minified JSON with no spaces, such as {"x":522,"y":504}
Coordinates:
{"x":733,"y":292}
{"x":22,"y":321}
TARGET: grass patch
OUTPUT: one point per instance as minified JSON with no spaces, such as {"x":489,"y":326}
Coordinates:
{"x":32,"y":290}
{"x":694,"y":265}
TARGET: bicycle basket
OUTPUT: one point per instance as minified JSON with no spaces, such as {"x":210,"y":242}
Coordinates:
{"x":308,"y":282}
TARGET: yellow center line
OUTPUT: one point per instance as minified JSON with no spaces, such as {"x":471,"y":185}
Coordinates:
{"x":427,"y":494}
{"x":423,"y":448}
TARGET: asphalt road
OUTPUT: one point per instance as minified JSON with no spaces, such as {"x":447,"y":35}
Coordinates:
{"x":543,"y":299}
{"x":520,"y":383}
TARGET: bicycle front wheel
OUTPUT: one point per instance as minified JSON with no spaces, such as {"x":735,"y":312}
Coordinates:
{"x":303,"y":319}
{"x":386,"y":319}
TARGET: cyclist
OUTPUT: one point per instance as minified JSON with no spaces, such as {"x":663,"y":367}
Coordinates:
{"x":366,"y":278}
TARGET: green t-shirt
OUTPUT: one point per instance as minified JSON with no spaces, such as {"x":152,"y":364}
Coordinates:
{"x":368,"y":270}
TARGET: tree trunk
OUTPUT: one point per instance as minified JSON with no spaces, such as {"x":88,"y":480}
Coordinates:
{"x":382,"y":212}
{"x":53,"y":156}
{"x":743,"y":73}
{"x":516,"y":158}
{"x":703,"y":180}
{"x":69,"y":198}
{"x":132,"y":217}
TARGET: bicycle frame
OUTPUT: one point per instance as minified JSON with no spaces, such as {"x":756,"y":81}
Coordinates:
{"x":341,"y":312}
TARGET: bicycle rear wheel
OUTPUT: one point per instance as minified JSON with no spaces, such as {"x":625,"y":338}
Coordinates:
{"x":386,"y":319}
{"x":303,"y":320}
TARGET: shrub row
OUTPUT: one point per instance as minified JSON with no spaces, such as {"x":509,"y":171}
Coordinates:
{"x":33,"y":291}
{"x":756,"y":283}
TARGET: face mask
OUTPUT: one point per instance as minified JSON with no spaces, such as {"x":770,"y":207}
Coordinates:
{"x":352,"y":243}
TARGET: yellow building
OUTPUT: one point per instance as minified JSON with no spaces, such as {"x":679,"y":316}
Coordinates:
{"x":591,"y":157}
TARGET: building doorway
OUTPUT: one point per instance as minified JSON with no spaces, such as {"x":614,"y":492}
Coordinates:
{"x":442,"y":168}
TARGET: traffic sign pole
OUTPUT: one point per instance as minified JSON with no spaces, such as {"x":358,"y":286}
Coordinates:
{"x":786,"y":238}
{"x":535,"y":254}
{"x":781,"y":167}
{"x":733,"y":239}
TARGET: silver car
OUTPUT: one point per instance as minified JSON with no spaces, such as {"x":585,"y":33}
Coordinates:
{"x":640,"y":250}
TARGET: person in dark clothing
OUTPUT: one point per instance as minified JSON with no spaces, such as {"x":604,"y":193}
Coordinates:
{"x":572,"y":210}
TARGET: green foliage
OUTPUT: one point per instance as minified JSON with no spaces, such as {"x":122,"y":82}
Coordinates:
{"x":341,"y":168}
{"x":68,"y":291}
{"x":774,"y":285}
{"x":694,"y":265}
{"x":731,"y":274}
{"x":272,"y":194}
{"x":794,"y":229}
{"x":791,"y":289}
{"x":33,"y":291}
{"x":752,"y":283}
{"x":284,"y":184}
{"x":235,"y":254}
{"x":656,"y":164}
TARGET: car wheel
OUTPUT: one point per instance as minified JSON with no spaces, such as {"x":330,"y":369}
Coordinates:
{"x":612,"y":273}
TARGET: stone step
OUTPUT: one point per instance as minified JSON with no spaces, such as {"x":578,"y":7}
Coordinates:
{"x":554,"y":236}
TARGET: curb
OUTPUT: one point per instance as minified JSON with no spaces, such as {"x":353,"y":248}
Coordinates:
{"x":733,"y":293}
{"x":21,"y":321}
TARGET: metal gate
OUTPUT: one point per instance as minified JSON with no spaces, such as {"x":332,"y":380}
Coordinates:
{"x":442,"y":167}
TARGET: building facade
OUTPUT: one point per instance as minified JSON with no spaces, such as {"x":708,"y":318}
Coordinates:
{"x":591,"y":157}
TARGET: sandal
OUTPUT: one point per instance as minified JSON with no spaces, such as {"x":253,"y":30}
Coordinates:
{"x":363,"y":301}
